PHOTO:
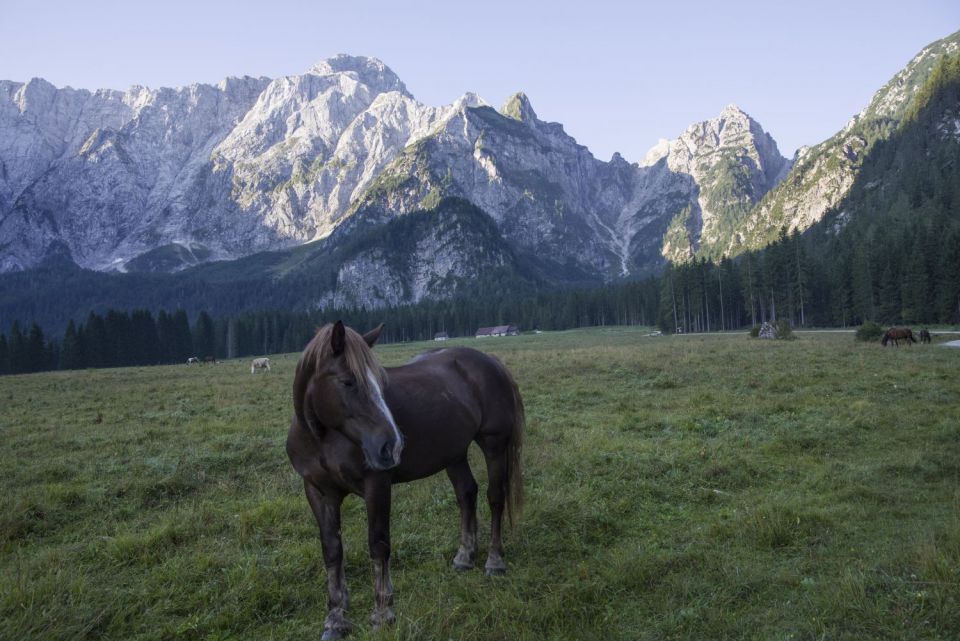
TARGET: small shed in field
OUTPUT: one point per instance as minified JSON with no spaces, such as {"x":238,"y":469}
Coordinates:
{"x":498,"y":330}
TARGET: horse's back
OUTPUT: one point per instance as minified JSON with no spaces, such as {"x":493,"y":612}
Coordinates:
{"x":484,"y":378}
{"x":443,"y":400}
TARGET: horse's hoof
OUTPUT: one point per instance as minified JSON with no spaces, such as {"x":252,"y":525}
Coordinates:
{"x":462,"y":567}
{"x":337,"y":626}
{"x":382,"y":617}
{"x":495,"y":571}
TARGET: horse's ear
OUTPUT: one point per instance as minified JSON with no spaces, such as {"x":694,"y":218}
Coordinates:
{"x":338,"y":339}
{"x":372,"y":336}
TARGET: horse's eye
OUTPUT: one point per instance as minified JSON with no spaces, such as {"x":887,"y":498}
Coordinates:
{"x":347,"y":383}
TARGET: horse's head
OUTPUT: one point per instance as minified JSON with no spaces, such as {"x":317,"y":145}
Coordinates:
{"x":339,"y":386}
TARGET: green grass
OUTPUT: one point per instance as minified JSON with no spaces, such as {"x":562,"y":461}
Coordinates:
{"x":687,"y":487}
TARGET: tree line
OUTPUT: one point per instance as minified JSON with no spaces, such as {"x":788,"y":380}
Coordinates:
{"x":120,"y":338}
{"x":914,"y":277}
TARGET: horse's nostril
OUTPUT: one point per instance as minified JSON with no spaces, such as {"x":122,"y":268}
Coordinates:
{"x":386,"y":452}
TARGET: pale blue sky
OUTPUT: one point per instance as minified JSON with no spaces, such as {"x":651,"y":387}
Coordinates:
{"x":618,"y":75}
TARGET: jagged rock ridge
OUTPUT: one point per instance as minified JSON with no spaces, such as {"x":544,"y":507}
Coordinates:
{"x":162,"y":179}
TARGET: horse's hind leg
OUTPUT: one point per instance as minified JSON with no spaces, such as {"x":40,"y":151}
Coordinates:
{"x":465,"y":487}
{"x":326,"y":509}
{"x":495,"y":452}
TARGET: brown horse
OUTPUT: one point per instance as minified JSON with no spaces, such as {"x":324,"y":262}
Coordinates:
{"x":358,"y":428}
{"x":925,"y":336}
{"x":896,"y":334}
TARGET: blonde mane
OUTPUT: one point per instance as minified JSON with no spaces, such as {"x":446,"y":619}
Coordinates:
{"x":358,"y":355}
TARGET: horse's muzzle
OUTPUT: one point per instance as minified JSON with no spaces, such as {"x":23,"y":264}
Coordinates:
{"x":386,"y":457}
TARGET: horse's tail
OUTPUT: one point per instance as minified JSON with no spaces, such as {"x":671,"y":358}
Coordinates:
{"x":514,"y":455}
{"x":886,"y":337}
{"x":910,"y":336}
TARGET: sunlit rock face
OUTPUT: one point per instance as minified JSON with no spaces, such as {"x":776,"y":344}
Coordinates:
{"x":163,"y":179}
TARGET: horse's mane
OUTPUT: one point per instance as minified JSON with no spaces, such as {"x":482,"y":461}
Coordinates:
{"x":358,"y":356}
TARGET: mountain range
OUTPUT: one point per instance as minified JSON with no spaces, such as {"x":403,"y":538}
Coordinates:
{"x":340,"y":178}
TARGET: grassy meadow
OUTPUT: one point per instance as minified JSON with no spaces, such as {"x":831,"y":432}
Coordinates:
{"x":678,"y":487}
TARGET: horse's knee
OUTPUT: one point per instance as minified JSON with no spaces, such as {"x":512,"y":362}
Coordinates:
{"x":379,"y":550}
{"x":467,"y":494}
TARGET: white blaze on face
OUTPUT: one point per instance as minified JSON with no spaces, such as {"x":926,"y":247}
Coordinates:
{"x":377,"y":395}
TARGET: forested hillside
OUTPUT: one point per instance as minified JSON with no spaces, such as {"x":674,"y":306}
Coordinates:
{"x":889,"y":252}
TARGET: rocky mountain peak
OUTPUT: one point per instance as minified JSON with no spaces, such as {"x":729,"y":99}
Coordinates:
{"x":733,"y":131}
{"x":368,"y":71}
{"x":519,"y":108}
{"x":733,"y":111}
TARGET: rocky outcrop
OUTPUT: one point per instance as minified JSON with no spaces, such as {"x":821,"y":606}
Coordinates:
{"x":724,"y":166}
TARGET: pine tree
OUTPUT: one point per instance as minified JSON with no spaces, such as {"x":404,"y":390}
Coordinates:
{"x":862,"y":280}
{"x":70,"y":354}
{"x":182,"y":338}
{"x":36,"y":350}
{"x":143,"y":330}
{"x":889,"y":306}
{"x":233,"y":338}
{"x":4,"y":355}
{"x":204,"y":338}
{"x":97,"y":345}
{"x":18,"y":350}
{"x":166,"y":338}
{"x":913,"y":293}
{"x":948,"y":282}
{"x":121,"y":343}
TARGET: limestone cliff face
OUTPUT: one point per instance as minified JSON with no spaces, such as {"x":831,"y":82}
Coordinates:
{"x":195,"y":173}
{"x":546,"y":193}
{"x":724,"y":166}
{"x":114,"y":174}
{"x":163,"y":179}
{"x":550,"y":195}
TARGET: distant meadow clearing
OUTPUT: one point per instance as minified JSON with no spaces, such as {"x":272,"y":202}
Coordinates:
{"x":678,"y":487}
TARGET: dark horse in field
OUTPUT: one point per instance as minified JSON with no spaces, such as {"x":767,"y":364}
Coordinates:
{"x":925,"y":336}
{"x":358,"y":428}
{"x":896,"y":334}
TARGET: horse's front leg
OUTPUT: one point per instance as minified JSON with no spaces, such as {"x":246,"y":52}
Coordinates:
{"x":377,"y":497}
{"x":326,"y":508}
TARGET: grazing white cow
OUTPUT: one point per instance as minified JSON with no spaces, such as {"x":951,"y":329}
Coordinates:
{"x":260,"y":363}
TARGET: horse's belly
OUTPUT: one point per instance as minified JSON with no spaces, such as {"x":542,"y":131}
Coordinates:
{"x":425,"y":457}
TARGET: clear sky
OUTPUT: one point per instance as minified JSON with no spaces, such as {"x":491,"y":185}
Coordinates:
{"x":618,"y":75}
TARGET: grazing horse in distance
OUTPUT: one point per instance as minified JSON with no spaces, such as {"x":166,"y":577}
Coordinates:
{"x":358,"y":428}
{"x":896,"y":334}
{"x":210,"y":359}
{"x":193,"y":360}
{"x":925,"y":336}
{"x":260,"y":363}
